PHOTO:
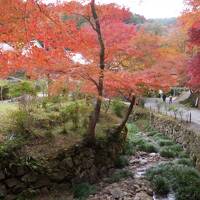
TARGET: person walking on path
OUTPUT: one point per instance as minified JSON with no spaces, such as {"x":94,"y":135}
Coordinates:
{"x":164,"y":97}
{"x":170,"y":99}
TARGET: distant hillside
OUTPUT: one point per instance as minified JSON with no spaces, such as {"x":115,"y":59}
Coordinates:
{"x":163,"y":21}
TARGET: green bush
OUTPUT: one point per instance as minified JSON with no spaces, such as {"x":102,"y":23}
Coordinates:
{"x":121,"y":161}
{"x":77,"y":113}
{"x":147,"y":147}
{"x":160,"y":185}
{"x":183,"y":180}
{"x":160,"y":136}
{"x":118,"y":107}
{"x":165,"y":142}
{"x":21,"y":88}
{"x":20,"y":122}
{"x":185,"y":161}
{"x":129,"y":148}
{"x":171,"y":151}
{"x":83,"y":190}
{"x":167,"y":152}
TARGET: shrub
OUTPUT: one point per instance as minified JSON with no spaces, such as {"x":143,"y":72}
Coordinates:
{"x":20,"y":122}
{"x":171,"y":151}
{"x":21,"y":88}
{"x":129,"y":148}
{"x":160,"y":185}
{"x":148,"y":147}
{"x":185,"y":161}
{"x":165,"y":142}
{"x":121,"y":161}
{"x":83,"y":190}
{"x":184,"y":180}
{"x":144,"y":145}
{"x":159,"y":136}
{"x":167,"y":152}
{"x":118,"y":107}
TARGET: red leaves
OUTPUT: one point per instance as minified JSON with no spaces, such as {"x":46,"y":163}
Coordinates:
{"x":66,"y":29}
{"x":194,"y":44}
{"x":194,"y":33}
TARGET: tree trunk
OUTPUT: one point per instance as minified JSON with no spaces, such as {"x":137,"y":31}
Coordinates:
{"x":123,"y":123}
{"x":96,"y":113}
{"x":1,"y":93}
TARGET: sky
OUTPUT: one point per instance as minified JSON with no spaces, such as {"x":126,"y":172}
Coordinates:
{"x":152,"y":8}
{"x":149,"y":8}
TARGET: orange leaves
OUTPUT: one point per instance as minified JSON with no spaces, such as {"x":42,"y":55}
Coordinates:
{"x":132,"y":58}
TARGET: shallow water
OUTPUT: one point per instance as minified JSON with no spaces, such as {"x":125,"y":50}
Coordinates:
{"x":141,"y":170}
{"x":170,"y":196}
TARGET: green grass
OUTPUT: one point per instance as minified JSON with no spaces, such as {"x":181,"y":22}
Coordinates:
{"x":185,"y":161}
{"x":160,"y":185}
{"x":7,"y":107}
{"x":83,"y":190}
{"x":165,"y":142}
{"x":171,"y":151}
{"x":121,"y":162}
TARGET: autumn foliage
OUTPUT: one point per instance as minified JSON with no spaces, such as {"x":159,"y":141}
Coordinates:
{"x":191,"y":22}
{"x":117,"y":59}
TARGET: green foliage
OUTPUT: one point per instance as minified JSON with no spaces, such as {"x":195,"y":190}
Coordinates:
{"x":77,"y":112}
{"x":159,"y":136}
{"x":185,"y":161}
{"x":21,"y":88}
{"x":137,"y":142}
{"x":129,"y":148}
{"x":118,"y":107}
{"x":20,"y":122}
{"x":119,"y":175}
{"x":171,"y":151}
{"x":136,"y":19}
{"x":160,"y":185}
{"x":83,"y":190}
{"x":184,"y":180}
{"x":147,"y":147}
{"x":121,"y":162}
{"x":165,"y":142}
{"x":9,"y":146}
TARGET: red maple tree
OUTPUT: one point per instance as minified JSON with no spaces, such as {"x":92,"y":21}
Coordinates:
{"x":97,"y":32}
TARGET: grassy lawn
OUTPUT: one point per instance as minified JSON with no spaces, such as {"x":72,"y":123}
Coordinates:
{"x":6,"y":107}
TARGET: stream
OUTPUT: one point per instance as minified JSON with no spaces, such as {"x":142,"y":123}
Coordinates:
{"x":137,"y":188}
{"x":144,"y":161}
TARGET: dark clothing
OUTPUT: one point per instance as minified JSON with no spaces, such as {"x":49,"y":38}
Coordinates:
{"x":164,"y":97}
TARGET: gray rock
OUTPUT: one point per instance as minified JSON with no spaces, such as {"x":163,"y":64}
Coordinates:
{"x":117,"y":193}
{"x":142,"y":196}
{"x":29,"y":178}
{"x":11,"y":197}
{"x":57,"y":176}
{"x":20,"y":171}
{"x":42,"y":182}
{"x":3,"y":190}
{"x":67,"y":163}
{"x":2,"y":175}
{"x":18,"y":188}
{"x":11,"y":182}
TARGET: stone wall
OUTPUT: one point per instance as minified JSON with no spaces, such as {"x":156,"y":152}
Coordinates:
{"x":179,"y":132}
{"x":20,"y":176}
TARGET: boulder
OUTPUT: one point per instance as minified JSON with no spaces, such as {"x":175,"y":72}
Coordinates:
{"x":143,"y":196}
{"x":12,"y":182}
